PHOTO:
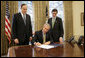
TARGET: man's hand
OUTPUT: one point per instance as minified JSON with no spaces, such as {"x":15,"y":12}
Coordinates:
{"x":38,"y":44}
{"x":30,"y":39}
{"x":16,"y":41}
{"x":47,"y":43}
{"x":61,"y":40}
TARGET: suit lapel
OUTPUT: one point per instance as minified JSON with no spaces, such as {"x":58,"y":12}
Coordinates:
{"x":55,"y":22}
{"x":26,"y":19}
{"x":41,"y":35}
{"x":22,"y":18}
{"x":51,"y":23}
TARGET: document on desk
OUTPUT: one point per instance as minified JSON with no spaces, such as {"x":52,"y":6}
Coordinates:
{"x":46,"y":46}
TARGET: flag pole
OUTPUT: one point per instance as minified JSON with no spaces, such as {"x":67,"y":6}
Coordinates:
{"x":46,"y":12}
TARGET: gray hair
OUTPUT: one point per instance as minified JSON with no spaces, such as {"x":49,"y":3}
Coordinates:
{"x":46,"y":24}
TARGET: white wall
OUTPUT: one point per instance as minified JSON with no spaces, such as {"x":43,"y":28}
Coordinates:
{"x":78,"y":7}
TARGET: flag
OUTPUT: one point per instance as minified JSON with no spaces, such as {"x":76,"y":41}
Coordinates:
{"x":46,"y":14}
{"x":7,"y":23}
{"x":46,"y":11}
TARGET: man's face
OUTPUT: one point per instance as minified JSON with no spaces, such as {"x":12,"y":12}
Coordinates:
{"x":24,"y":9}
{"x":46,"y":29}
{"x":54,"y":14}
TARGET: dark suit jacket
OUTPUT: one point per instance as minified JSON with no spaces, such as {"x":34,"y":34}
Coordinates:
{"x":57,"y":30}
{"x":39,"y":37}
{"x":20,"y":30}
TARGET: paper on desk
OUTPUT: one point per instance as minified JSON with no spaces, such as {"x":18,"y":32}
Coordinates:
{"x":46,"y":46}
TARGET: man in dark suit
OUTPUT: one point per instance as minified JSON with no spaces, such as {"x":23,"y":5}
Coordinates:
{"x":56,"y":27}
{"x":21,"y":27}
{"x":42,"y":36}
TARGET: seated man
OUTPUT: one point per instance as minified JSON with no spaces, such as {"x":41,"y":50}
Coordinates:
{"x":42,"y":36}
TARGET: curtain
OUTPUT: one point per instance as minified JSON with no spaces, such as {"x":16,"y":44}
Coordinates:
{"x":39,"y":8}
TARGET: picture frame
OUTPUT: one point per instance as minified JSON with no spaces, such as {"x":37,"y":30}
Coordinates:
{"x":82,"y":19}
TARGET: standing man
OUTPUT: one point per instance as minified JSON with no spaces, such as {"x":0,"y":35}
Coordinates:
{"x":21,"y":27}
{"x":56,"y":27}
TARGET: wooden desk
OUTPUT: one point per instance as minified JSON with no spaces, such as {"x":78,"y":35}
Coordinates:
{"x":67,"y":50}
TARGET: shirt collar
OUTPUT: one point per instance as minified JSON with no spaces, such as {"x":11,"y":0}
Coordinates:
{"x":43,"y":33}
{"x":22,"y":14}
{"x":53,"y":17}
